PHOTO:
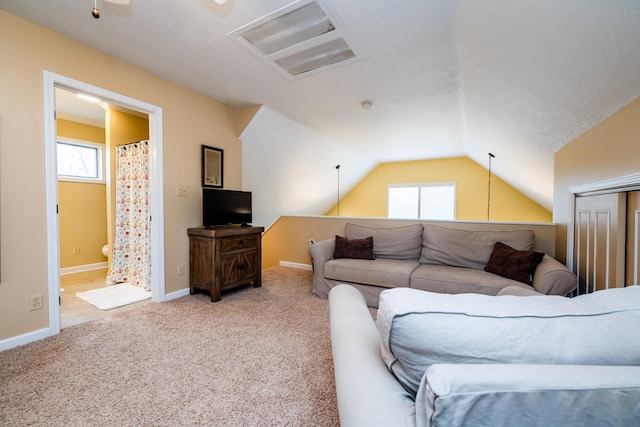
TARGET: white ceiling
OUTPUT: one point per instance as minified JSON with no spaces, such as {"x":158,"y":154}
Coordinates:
{"x":518,"y":79}
{"x":70,"y":107}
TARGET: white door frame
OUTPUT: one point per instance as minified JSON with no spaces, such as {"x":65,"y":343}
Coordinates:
{"x":618,"y":184}
{"x":52,"y":80}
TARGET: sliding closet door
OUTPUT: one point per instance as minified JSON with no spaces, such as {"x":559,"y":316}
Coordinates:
{"x":599,"y":247}
{"x":633,"y":238}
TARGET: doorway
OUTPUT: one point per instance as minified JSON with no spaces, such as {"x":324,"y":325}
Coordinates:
{"x":89,"y":133}
{"x":52,"y":81}
{"x":603,"y":236}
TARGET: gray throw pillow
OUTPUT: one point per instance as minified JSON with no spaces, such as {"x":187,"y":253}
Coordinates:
{"x":404,"y":242}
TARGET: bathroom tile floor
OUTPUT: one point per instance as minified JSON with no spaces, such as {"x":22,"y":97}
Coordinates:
{"x":75,"y":310}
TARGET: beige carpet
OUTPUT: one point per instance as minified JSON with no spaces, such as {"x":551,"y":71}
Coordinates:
{"x":259,"y":357}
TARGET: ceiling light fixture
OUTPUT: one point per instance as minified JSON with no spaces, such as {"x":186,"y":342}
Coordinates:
{"x":220,"y":1}
{"x":289,"y":29}
{"x":366,"y":104}
{"x":338,"y":169}
{"x":326,"y":54}
{"x":491,"y":156}
{"x":298,"y":39}
{"x":96,"y":13}
{"x":88,"y":97}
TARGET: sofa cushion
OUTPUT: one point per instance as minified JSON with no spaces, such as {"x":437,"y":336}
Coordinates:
{"x":418,"y":329}
{"x":404,"y":242}
{"x":356,"y":248}
{"x":513,"y":264}
{"x":458,"y":280}
{"x":471,"y":249}
{"x":529,"y":395}
{"x":519,"y":291}
{"x":387,"y":273}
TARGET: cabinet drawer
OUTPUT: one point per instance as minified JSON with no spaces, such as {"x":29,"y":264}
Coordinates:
{"x":239,"y":243}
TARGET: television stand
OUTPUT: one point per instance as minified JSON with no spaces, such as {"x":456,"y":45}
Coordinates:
{"x":222,"y":258}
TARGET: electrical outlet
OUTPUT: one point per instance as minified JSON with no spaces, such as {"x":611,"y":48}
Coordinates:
{"x":181,"y":191}
{"x":180,"y":269}
{"x":35,"y":302}
{"x":76,"y":250}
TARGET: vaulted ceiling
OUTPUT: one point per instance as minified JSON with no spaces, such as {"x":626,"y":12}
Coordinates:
{"x":518,"y":79}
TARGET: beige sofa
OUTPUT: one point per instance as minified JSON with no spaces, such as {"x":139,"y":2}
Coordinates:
{"x":432,"y":258}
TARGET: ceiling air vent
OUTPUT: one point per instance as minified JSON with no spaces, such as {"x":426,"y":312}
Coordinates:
{"x":298,"y":39}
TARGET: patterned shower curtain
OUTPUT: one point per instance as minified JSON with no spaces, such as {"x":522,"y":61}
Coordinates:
{"x":131,"y":255}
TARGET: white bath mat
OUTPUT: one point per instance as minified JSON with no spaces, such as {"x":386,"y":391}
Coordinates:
{"x":114,"y":296}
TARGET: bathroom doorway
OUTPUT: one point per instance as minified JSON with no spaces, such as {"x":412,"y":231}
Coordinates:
{"x":88,"y":131}
{"x":154,"y":131}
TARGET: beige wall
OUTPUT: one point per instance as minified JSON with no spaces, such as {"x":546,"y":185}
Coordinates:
{"x":189,"y":120}
{"x":71,"y":129}
{"x":288,"y":238}
{"x":607,"y":151}
{"x":82,"y":207}
{"x":369,"y":197}
{"x":83,"y":223}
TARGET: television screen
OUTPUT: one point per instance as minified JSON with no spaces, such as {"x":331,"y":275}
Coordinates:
{"x":225,"y":207}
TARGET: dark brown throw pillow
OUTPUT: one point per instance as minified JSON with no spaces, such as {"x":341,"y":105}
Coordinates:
{"x":513,"y":264}
{"x":355,"y":248}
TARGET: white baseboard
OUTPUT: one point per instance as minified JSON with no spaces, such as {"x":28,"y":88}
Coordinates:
{"x":176,"y":294}
{"x":296,"y":265}
{"x":81,"y":268}
{"x":24,"y":339}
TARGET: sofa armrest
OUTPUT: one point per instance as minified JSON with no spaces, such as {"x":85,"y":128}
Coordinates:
{"x":553,"y":278}
{"x":368,"y":394}
{"x":528,"y":395}
{"x":321,"y":252}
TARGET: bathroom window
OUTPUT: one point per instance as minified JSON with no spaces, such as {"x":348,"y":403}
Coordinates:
{"x":432,"y":200}
{"x":80,"y":161}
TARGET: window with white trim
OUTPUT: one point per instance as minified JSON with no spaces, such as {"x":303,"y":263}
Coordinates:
{"x":80,"y":161}
{"x":433,"y":200}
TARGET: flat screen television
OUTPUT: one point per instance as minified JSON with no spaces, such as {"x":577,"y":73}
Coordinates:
{"x":225,"y":207}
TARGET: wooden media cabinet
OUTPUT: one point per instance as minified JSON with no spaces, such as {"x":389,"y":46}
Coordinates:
{"x":224,"y":257}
